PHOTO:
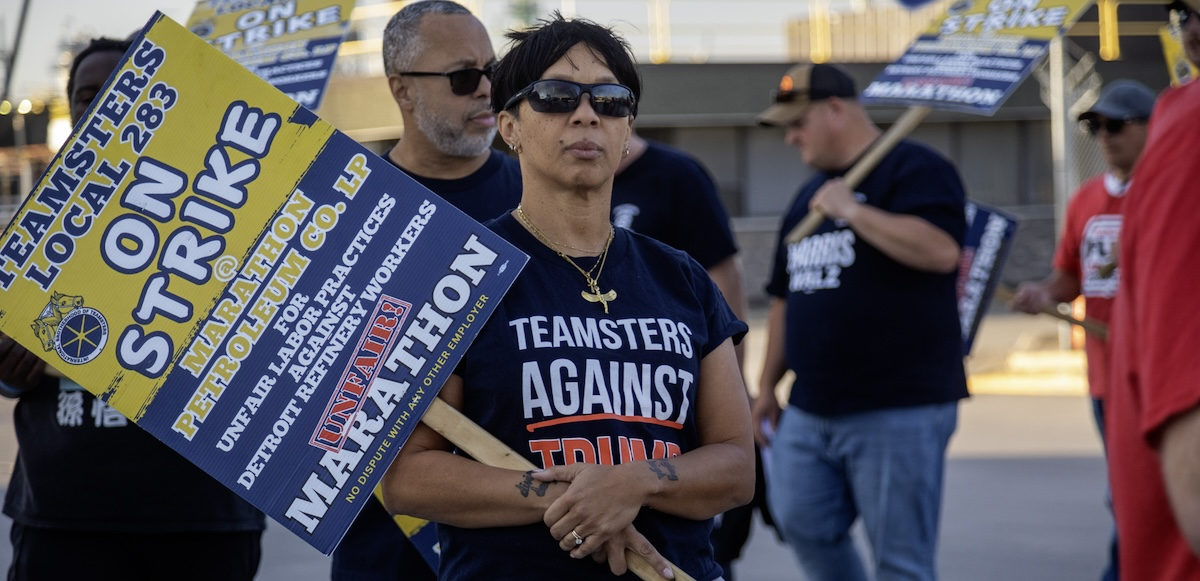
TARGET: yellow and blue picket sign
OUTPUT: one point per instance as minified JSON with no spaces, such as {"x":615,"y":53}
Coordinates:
{"x":1181,"y":70}
{"x":251,"y":286}
{"x":291,"y":44}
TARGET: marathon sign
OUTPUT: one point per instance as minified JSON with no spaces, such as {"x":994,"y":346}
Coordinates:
{"x":976,"y":56}
{"x":249,"y":285}
{"x":291,"y":44}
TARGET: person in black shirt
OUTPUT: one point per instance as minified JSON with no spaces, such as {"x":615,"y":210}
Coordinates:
{"x":439,"y":60}
{"x":864,"y":313}
{"x":668,"y":195}
{"x":92,"y":495}
{"x":609,"y":364}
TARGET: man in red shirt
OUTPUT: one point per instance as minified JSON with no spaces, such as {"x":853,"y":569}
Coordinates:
{"x":1083,"y":262}
{"x":1154,"y":404}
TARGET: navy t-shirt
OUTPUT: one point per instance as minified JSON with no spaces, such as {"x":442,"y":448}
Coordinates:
{"x":865,"y":332}
{"x":374,"y":548}
{"x":82,"y":466}
{"x":490,"y":191}
{"x":560,"y":381}
{"x":668,"y":196}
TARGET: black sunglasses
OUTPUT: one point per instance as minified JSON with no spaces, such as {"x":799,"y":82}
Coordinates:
{"x":558,"y":96}
{"x":1112,"y":126}
{"x":462,"y":81}
{"x":1184,"y":15}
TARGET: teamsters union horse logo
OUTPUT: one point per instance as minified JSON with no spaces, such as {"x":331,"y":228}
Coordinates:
{"x":76,"y":332}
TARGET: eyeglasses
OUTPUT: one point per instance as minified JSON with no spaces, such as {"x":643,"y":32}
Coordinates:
{"x":558,"y":96}
{"x":1184,"y":15}
{"x":462,"y":81}
{"x":1112,"y":126}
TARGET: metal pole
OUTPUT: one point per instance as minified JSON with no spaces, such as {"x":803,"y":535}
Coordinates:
{"x":1062,"y":149}
{"x":26,"y":176}
{"x":12,"y":54}
{"x":1061,"y":145}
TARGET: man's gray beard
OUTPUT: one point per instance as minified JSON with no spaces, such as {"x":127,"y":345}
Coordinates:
{"x":450,"y":137}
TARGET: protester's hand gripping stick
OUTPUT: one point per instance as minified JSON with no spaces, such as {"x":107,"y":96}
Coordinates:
{"x":1091,"y":326}
{"x":484,"y":447}
{"x":862,"y":169}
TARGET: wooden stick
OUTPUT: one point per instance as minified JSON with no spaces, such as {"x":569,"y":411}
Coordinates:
{"x":486,"y":448}
{"x":862,"y":169}
{"x":1090,"y":325}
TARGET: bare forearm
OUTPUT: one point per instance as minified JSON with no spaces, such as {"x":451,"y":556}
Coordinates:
{"x":1035,"y":296}
{"x":702,"y":483}
{"x":443,"y":487}
{"x":1180,"y":459}
{"x":909,"y":240}
{"x":719,"y":473}
{"x":1062,"y":287}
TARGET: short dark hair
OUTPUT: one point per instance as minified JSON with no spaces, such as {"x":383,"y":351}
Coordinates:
{"x":535,"y":49}
{"x":96,"y":45}
{"x":402,"y":41}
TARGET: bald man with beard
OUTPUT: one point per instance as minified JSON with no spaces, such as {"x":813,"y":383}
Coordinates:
{"x":438,"y":59}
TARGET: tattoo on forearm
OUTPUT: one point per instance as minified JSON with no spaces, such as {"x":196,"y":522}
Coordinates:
{"x":527,"y":485}
{"x":663,"y":469}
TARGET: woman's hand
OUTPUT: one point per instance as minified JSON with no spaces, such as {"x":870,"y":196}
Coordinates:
{"x":600,"y":502}
{"x":613,"y":552}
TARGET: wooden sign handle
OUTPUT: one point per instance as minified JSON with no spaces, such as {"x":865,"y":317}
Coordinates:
{"x":1091,"y":326}
{"x":484,"y":447}
{"x":862,"y":169}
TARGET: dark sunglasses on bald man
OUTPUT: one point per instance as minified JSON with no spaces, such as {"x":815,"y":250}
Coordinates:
{"x":462,"y":81}
{"x":1111,"y":126}
{"x":1184,"y":14}
{"x":558,"y":96}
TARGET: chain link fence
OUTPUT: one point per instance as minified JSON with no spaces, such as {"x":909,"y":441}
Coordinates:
{"x":1083,"y":86}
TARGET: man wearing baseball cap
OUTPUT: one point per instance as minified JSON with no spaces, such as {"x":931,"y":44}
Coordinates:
{"x":1084,"y":263}
{"x":1154,"y":404}
{"x":875,"y":396}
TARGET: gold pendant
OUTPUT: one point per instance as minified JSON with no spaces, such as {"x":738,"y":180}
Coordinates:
{"x":603,"y":299}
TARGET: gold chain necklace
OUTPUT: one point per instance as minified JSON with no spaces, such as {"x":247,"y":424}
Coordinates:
{"x":593,"y":282}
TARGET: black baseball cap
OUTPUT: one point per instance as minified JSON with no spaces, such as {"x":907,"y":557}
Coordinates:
{"x":1122,"y":100}
{"x":801,"y":86}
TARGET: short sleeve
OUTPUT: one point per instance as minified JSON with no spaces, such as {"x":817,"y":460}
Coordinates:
{"x":930,"y":188}
{"x":722,"y":322}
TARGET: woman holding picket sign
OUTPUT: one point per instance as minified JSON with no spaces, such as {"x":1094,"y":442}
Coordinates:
{"x":610,"y":363}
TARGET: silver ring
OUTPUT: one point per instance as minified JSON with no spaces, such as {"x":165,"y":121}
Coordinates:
{"x":578,"y":539}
